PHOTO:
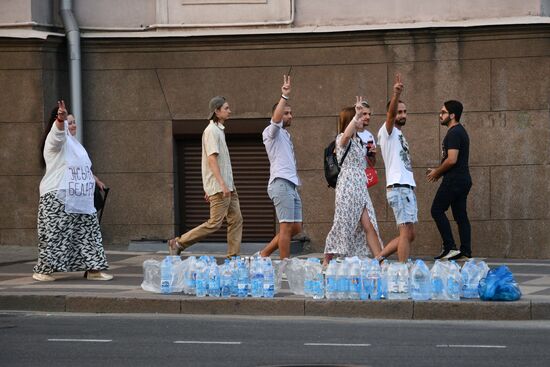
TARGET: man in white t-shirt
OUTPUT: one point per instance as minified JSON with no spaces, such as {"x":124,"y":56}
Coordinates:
{"x":400,"y":183}
{"x":283,"y":178}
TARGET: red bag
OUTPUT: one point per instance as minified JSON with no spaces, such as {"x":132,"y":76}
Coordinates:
{"x":372,"y":175}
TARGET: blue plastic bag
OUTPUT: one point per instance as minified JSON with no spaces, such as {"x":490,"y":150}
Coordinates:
{"x":499,"y":285}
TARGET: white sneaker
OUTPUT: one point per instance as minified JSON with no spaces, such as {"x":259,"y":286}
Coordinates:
{"x":451,"y":254}
{"x":98,"y":276}
{"x":43,"y":277}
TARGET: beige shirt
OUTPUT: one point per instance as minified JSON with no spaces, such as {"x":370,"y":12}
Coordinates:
{"x":213,"y":142}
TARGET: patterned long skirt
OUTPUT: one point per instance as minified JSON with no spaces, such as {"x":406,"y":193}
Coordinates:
{"x":67,"y":242}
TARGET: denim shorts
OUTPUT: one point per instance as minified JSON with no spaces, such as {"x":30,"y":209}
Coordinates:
{"x":286,"y":199}
{"x":403,"y":202}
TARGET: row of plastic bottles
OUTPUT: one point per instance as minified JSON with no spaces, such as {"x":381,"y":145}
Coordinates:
{"x":354,"y":278}
{"x":349,"y":278}
{"x":240,"y":277}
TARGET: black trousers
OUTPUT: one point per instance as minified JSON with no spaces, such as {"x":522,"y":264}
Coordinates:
{"x":453,"y":193}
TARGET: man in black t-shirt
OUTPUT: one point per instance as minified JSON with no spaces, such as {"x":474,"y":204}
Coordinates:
{"x":455,"y":185}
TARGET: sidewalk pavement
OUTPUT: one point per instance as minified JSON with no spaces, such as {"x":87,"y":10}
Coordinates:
{"x":72,"y":293}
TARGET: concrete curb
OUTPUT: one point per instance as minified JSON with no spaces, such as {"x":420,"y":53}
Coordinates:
{"x":175,"y":304}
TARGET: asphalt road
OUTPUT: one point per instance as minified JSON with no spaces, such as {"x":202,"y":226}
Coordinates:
{"x":40,"y":339}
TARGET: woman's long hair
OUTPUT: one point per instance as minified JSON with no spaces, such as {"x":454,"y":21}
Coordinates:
{"x":49,"y":124}
{"x":345,"y":117}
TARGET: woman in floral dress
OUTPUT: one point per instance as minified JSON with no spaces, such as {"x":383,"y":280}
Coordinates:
{"x":354,"y":214}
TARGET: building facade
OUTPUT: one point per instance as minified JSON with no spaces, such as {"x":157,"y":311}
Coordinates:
{"x":150,"y":67}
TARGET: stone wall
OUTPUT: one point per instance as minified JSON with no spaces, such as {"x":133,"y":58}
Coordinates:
{"x":32,"y":74}
{"x":134,"y":89}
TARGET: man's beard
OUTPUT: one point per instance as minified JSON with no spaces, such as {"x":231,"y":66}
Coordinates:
{"x":401,"y":122}
{"x":445,"y":122}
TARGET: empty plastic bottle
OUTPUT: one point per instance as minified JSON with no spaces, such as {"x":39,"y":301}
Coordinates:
{"x":257,"y":278}
{"x":331,"y":280}
{"x":421,"y":281}
{"x":166,"y":275}
{"x":226,"y":279}
{"x":214,"y":286}
{"x":269,"y":278}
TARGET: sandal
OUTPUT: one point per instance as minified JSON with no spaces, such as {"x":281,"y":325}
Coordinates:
{"x":174,"y":248}
{"x":97,"y":275}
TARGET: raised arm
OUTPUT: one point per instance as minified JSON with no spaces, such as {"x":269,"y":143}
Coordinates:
{"x":61,"y":115}
{"x":285,"y":93}
{"x":394,"y":102}
{"x":351,"y":129}
{"x":278,"y":112}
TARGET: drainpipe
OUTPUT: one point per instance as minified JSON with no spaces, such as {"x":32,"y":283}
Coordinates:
{"x":73,"y":40}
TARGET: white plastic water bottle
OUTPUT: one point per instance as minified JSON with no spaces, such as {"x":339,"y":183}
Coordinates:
{"x":214,"y":280}
{"x":384,"y":280}
{"x":374,"y":276}
{"x":226,"y":279}
{"x":472,"y":272}
{"x":438,"y":281}
{"x":331,"y":280}
{"x":365,"y":266}
{"x":343,"y":280}
{"x":248,"y":265}
{"x":398,"y":281}
{"x":317,"y":280}
{"x":257,"y":275}
{"x":308,"y":278}
{"x":354,"y":271}
{"x":454,"y":281}
{"x":404,"y":281}
{"x":235,"y":275}
{"x":243,"y":281}
{"x":166,"y":275}
{"x":190,"y":277}
{"x":269,"y":278}
{"x":421,"y":281}
{"x":393,"y":278}
{"x":201,"y":270}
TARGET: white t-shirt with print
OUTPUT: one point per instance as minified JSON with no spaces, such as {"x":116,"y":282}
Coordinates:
{"x":396,"y":155}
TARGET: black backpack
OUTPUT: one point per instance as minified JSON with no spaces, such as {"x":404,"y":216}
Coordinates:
{"x":332,"y":168}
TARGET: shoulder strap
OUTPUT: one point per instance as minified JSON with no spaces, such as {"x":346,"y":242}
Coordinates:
{"x":346,"y":153}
